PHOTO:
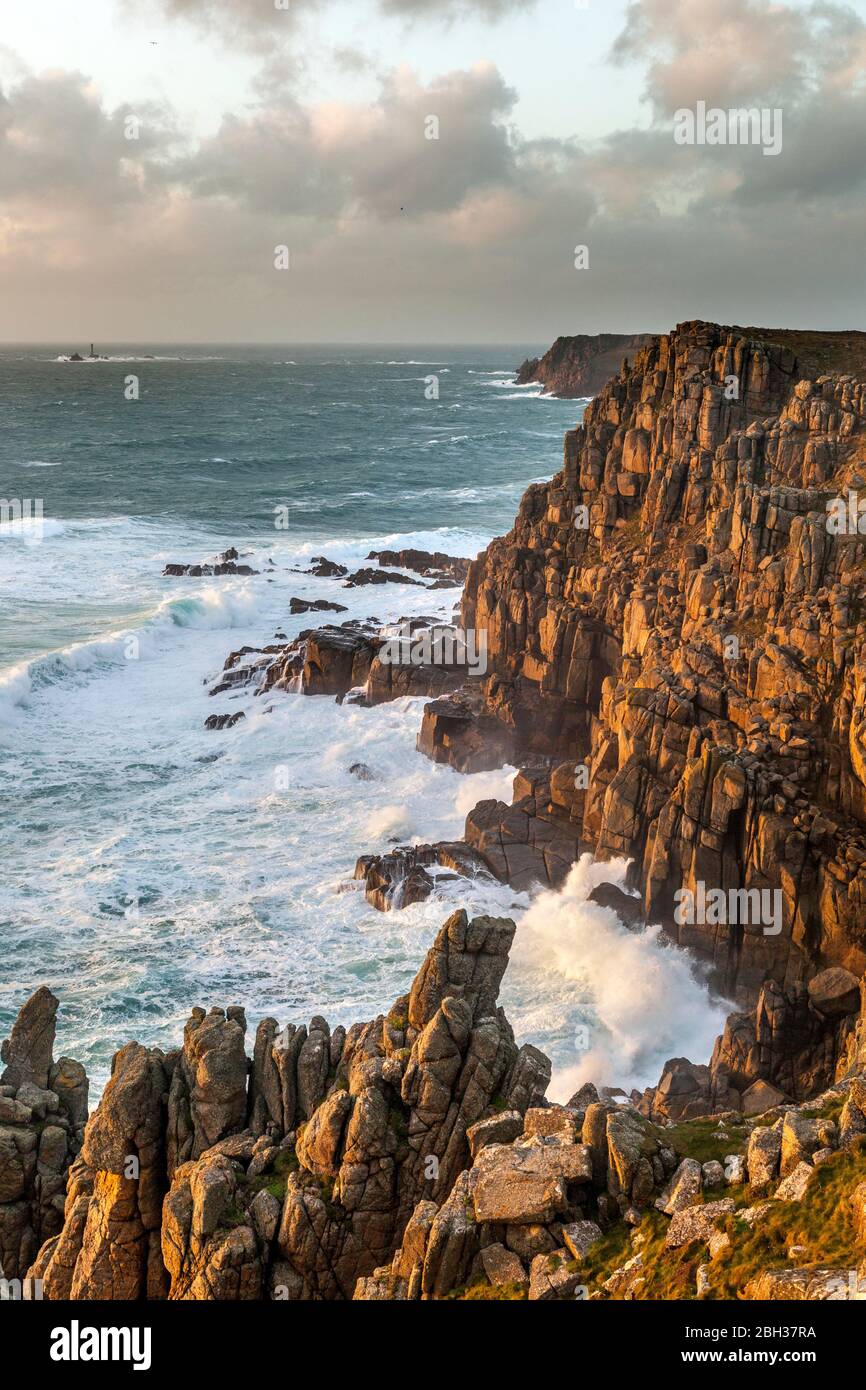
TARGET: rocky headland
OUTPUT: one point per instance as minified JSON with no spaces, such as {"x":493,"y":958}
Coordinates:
{"x":580,"y":365}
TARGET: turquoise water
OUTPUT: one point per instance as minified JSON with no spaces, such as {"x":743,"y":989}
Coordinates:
{"x":150,"y":865}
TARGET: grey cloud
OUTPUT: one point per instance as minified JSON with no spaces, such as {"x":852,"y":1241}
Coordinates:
{"x":57,"y":141}
{"x":331,"y":159}
{"x":729,"y":54}
{"x":808,"y":62}
{"x":484,"y":246}
{"x":450,"y":9}
{"x":258,"y":23}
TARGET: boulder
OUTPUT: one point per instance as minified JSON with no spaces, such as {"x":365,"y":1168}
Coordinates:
{"x":526,"y":1184}
{"x":793,"y":1188}
{"x":763,"y":1157}
{"x":696,"y":1222}
{"x":835,"y":992}
{"x":502,"y":1266}
{"x":580,"y":1236}
{"x":683,"y":1189}
{"x":551,"y":1279}
{"x":761,"y":1097}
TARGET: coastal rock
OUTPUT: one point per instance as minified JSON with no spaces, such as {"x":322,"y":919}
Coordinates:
{"x":794,"y":1187}
{"x":109,"y":1245}
{"x":224,"y":721}
{"x":683,"y":1189}
{"x":810,"y":1285}
{"x":445,"y":569}
{"x":395,"y":880}
{"x":226,"y":563}
{"x":763,"y":1157}
{"x":503,"y":1267}
{"x":696,"y":1223}
{"x":580,"y":1237}
{"x":324,"y":568}
{"x":362,"y":1128}
{"x":835,"y":992}
{"x":369,"y":575}
{"x":209,"y":1255}
{"x":319,"y":605}
{"x":28,"y":1051}
{"x":580,"y":365}
{"x":43,"y":1106}
{"x":761,"y":1097}
{"x":551,"y":1278}
{"x":207,"y":1099}
{"x":526,"y":1184}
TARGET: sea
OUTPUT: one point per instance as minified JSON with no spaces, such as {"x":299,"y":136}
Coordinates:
{"x":147,"y":864}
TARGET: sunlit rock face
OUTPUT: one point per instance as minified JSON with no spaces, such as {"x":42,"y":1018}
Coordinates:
{"x":679,"y":612}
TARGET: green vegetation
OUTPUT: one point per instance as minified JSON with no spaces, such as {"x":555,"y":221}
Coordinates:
{"x":276,"y":1180}
{"x":822,"y":1224}
{"x":701,"y":1139}
{"x":487,"y":1293}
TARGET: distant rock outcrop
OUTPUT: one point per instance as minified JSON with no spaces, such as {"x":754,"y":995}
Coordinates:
{"x":581,"y":365}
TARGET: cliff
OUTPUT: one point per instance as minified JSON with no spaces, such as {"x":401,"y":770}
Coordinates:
{"x":675,"y":640}
{"x":581,"y":365}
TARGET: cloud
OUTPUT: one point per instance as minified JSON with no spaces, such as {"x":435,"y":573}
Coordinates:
{"x":726,"y":54}
{"x":259,"y":23}
{"x":255,"y":23}
{"x":57,"y":142}
{"x":394,"y":235}
{"x":452,"y":9}
{"x":335,"y":158}
{"x":808,"y":62}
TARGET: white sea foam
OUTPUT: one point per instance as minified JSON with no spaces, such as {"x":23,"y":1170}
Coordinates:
{"x":639,"y":997}
{"x":30,"y":530}
{"x":174,"y":867}
{"x":209,"y":609}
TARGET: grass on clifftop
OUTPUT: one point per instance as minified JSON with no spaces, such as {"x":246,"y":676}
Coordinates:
{"x":823,"y":1224}
{"x":702,"y":1139}
{"x":487,"y":1293}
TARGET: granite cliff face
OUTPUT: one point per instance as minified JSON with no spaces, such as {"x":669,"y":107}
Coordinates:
{"x":675,"y":641}
{"x":581,"y":365}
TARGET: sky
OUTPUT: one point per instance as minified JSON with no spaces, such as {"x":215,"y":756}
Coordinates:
{"x":155,"y":154}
